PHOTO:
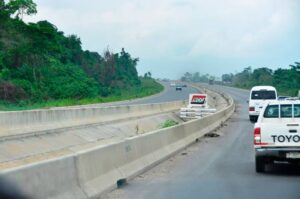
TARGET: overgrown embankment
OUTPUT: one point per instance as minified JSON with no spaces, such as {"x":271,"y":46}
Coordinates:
{"x":148,"y":87}
{"x":42,"y":67}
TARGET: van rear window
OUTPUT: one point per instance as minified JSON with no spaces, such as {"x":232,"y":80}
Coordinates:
{"x":263,"y":94}
{"x":286,"y":111}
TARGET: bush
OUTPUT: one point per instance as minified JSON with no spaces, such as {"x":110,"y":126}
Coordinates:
{"x":10,"y":92}
{"x":25,"y":85}
{"x":69,"y":81}
{"x":169,"y":123}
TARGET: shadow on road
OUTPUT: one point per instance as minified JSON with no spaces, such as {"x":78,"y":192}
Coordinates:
{"x":283,"y":169}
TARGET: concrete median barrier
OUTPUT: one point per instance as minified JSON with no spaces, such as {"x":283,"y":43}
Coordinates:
{"x":105,"y":166}
{"x":53,"y":179}
{"x":38,"y":121}
{"x":90,"y":173}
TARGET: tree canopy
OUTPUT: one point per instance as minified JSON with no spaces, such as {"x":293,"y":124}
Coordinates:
{"x":19,"y":8}
{"x":39,"y":62}
{"x":287,"y":81}
{"x":196,"y":77}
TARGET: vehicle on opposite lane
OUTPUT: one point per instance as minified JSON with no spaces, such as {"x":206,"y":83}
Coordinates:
{"x":178,"y":88}
{"x":277,"y":134}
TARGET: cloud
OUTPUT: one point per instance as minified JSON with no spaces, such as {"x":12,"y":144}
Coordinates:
{"x":177,"y":31}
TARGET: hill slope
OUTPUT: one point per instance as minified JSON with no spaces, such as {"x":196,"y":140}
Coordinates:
{"x":39,"y":63}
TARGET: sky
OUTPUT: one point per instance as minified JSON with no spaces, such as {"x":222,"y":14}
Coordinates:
{"x":171,"y":37}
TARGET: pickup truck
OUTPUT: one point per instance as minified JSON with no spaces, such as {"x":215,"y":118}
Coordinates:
{"x":277,"y":134}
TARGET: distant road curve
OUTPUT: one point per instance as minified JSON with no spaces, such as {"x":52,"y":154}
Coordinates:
{"x":169,"y":94}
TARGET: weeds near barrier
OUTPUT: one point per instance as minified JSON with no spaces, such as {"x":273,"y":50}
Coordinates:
{"x":137,"y":129}
{"x":169,"y":123}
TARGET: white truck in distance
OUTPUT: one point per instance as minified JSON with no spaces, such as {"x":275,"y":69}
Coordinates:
{"x":258,"y":96}
{"x":277,"y":134}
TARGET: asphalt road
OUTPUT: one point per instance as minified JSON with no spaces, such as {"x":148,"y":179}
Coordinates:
{"x":170,"y":94}
{"x":216,"y":168}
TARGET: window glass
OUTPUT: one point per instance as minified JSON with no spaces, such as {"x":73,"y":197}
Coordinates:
{"x":297,"y":110}
{"x":271,"y":111}
{"x":286,"y":111}
{"x":263,"y":94}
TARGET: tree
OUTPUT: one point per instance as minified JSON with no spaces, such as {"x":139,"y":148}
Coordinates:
{"x":20,"y":7}
{"x":227,"y":78}
{"x":262,"y":76}
{"x":38,"y":59}
{"x":2,"y":4}
{"x":196,"y":77}
{"x":286,"y":81}
{"x":148,"y":75}
{"x":242,"y":79}
{"x":187,"y":77}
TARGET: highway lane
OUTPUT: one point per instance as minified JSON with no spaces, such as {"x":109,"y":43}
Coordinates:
{"x":216,"y":168}
{"x":168,"y":95}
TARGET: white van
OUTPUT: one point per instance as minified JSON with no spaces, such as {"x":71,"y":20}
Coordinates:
{"x":258,"y":96}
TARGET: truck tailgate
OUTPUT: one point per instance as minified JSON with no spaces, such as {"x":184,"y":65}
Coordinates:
{"x":281,"y":133}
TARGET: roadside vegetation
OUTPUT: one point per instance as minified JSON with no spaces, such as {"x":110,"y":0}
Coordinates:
{"x":40,"y":66}
{"x":286,"y":81}
{"x":197,"y":77}
{"x":169,"y":123}
{"x":147,"y":87}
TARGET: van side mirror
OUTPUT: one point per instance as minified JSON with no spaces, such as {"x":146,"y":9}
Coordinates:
{"x":247,"y":101}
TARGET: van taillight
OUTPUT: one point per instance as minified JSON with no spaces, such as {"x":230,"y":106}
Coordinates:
{"x":251,"y":108}
{"x":257,"y":136}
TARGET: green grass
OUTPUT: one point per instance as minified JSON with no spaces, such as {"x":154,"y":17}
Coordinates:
{"x":169,"y":123}
{"x":148,"y":87}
